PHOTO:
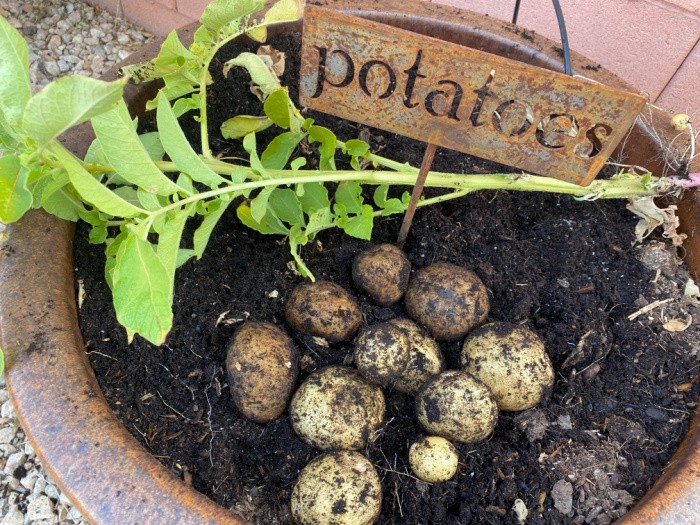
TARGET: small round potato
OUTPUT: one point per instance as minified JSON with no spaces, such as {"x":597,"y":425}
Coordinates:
{"x":448,"y":300}
{"x":433,"y":459}
{"x":382,"y":353}
{"x":336,"y":408}
{"x":426,"y":358}
{"x":337,"y":488}
{"x":323,"y":309}
{"x":262,"y":365}
{"x":457,"y":406}
{"x":511,"y":361}
{"x":382,"y":272}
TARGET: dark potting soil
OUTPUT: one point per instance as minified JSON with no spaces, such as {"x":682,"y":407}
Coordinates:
{"x":625,"y":389}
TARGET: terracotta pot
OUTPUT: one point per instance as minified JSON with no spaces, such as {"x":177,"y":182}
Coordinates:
{"x":94,"y":459}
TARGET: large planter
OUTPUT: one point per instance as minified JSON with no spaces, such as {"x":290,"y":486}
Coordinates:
{"x":94,"y":459}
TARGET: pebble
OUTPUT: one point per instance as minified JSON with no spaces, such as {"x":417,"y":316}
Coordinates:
{"x":563,"y":496}
{"x":62,"y":37}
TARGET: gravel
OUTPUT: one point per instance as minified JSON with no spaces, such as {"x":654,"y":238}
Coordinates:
{"x":64,"y":38}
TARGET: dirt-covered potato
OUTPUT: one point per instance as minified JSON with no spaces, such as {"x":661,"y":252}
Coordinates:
{"x":382,"y":272}
{"x":457,"y":406}
{"x":337,"y":488}
{"x":382,"y":353}
{"x":262,"y":365}
{"x":336,"y":408}
{"x":425,"y":361}
{"x":511,"y":360}
{"x":323,"y":309}
{"x":433,"y":459}
{"x":446,"y":299}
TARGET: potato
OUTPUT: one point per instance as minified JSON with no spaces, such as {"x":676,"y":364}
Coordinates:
{"x":425,"y":361}
{"x":446,"y":299}
{"x":433,"y":459}
{"x":337,"y":488}
{"x":457,"y":406}
{"x":323,"y":309}
{"x":337,"y":408}
{"x":382,"y":272}
{"x":262,"y":365}
{"x":511,"y":361}
{"x":382,"y":353}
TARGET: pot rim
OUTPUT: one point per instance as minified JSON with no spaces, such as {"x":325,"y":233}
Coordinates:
{"x":92,"y":457}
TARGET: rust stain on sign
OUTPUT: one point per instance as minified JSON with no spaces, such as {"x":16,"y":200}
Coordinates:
{"x":499,"y":109}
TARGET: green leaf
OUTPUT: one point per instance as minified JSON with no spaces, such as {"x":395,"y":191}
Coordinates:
{"x":171,"y":58}
{"x":111,"y":251}
{"x":152,"y":145}
{"x":63,"y":204}
{"x":285,"y":204}
{"x":169,"y":241}
{"x":277,"y":108}
{"x":14,"y":73}
{"x":319,"y":220}
{"x":328,"y":143}
{"x":279,"y":150}
{"x":259,"y":70}
{"x":282,"y":11}
{"x":349,"y":195}
{"x":185,"y":104}
{"x":270,"y":225}
{"x":98,"y":234}
{"x":222,"y":12}
{"x":179,"y":150}
{"x":258,"y":206}
{"x":183,"y":255}
{"x":360,"y":225}
{"x":142,"y":290}
{"x":241,"y":125}
{"x":249,"y":144}
{"x":127,"y":155}
{"x":315,"y":197}
{"x":67,"y":102}
{"x":388,"y":206}
{"x":203,"y":232}
{"x":90,"y":188}
{"x":356,"y":147}
{"x":15,"y":197}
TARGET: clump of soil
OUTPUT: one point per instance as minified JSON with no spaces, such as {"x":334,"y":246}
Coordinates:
{"x":624,"y":393}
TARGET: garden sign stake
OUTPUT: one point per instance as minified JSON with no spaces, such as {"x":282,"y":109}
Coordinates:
{"x":531,"y":118}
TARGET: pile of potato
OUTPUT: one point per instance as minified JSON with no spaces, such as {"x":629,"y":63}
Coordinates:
{"x":340,"y":409}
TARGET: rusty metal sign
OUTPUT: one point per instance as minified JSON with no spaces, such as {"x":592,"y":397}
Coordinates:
{"x":460,"y":98}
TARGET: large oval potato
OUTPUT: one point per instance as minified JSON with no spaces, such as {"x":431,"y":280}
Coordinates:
{"x":262,"y":365}
{"x":425,"y":360}
{"x":336,"y":408}
{"x":382,"y":272}
{"x":457,"y":406}
{"x":446,"y":299}
{"x":323,"y":309}
{"x":337,"y":488}
{"x":382,"y":352}
{"x":511,"y":360}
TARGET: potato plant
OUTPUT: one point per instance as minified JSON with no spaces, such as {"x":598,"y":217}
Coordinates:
{"x":138,"y":203}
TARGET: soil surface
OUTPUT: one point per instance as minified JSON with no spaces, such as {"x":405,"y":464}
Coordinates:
{"x":625,"y":389}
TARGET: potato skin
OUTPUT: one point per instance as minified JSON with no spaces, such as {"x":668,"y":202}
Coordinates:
{"x":457,"y":406}
{"x":382,"y":353}
{"x":446,"y":299}
{"x":511,"y":360}
{"x":262,"y":365}
{"x":426,"y":359}
{"x":337,"y":488}
{"x":433,"y":459}
{"x":383,"y":272}
{"x":336,"y":408}
{"x":323,"y":309}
